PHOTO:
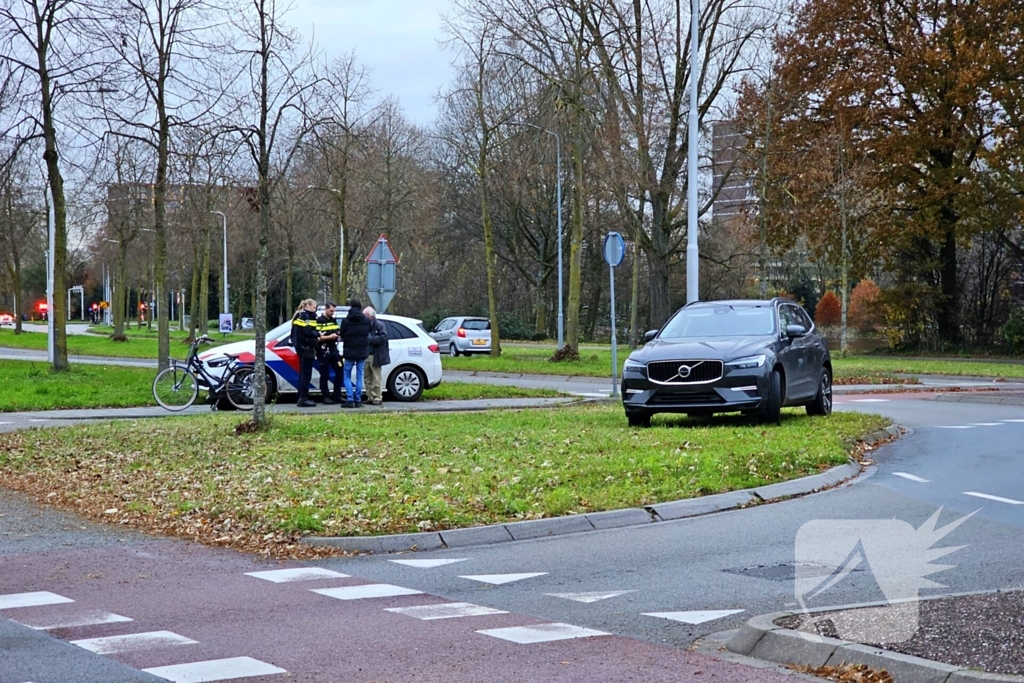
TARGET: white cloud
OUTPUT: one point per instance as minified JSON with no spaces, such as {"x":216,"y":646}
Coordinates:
{"x":398,"y":40}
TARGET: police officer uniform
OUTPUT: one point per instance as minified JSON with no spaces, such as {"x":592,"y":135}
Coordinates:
{"x":328,"y":358}
{"x":305,"y":338}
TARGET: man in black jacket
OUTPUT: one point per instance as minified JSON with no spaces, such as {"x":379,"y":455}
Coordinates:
{"x":355,"y":347}
{"x":305,"y":338}
{"x":380,"y":355}
{"x":328,"y":359}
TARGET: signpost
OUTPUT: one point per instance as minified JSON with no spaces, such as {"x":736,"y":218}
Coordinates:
{"x":614,"y":249}
{"x":381,"y":270}
{"x":227,"y":323}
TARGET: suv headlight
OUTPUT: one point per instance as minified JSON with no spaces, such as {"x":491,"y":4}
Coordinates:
{"x":747,"y":362}
{"x":633,"y":365}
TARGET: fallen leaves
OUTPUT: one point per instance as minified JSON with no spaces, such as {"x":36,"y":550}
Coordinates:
{"x":847,"y":673}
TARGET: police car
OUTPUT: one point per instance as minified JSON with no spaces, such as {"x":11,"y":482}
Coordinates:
{"x":415,"y":358}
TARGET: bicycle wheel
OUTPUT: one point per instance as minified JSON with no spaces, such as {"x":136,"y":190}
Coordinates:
{"x":175,"y":388}
{"x":240,"y":387}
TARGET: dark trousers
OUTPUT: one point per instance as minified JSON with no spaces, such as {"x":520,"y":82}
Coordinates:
{"x":328,"y":365}
{"x":305,"y":374}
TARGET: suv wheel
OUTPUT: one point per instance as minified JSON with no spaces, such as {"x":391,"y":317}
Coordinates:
{"x":641,"y":420}
{"x":771,"y":413}
{"x":822,"y":403}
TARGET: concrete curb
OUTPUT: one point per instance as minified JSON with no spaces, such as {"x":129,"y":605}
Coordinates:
{"x":977,"y":397}
{"x":762,"y":639}
{"x":611,"y":519}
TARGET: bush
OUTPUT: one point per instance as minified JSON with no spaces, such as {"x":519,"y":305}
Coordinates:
{"x":828,"y":310}
{"x":865,"y":312}
{"x":1013,"y":331}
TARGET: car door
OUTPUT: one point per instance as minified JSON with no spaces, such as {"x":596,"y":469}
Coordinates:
{"x":442,"y":334}
{"x":801,"y":352}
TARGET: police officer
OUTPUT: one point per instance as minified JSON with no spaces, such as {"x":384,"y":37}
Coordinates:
{"x":328,"y":359}
{"x":305,"y":338}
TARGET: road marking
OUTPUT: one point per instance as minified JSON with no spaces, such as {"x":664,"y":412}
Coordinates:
{"x":84,"y":619}
{"x":450,"y":610}
{"x":427,"y":564}
{"x":45,"y":419}
{"x":911,"y":477}
{"x":869,"y":400}
{"x":1000,"y":421}
{"x":693,"y":617}
{"x":589,"y":597}
{"x":6,"y":423}
{"x":498,"y":579}
{"x":215,"y":670}
{"x":372,"y":590}
{"x":998,"y":499}
{"x":955,"y":427}
{"x":132,"y":642}
{"x":541,"y":633}
{"x":36,"y":599}
{"x":297,"y":574}
{"x":987,"y":424}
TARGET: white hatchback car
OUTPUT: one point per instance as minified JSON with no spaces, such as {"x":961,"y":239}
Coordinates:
{"x":415,"y":358}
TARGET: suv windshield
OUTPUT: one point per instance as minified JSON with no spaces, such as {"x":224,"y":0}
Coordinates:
{"x":720,"y":321}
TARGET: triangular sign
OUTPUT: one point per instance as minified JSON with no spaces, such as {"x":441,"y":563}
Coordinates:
{"x":380,"y":300}
{"x":381,"y":252}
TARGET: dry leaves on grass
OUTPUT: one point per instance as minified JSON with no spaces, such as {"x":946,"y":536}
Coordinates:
{"x":847,"y":673}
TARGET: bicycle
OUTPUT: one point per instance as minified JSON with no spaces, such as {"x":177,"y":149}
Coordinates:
{"x":176,"y":387}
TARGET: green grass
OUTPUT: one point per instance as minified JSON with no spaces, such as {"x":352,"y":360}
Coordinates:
{"x":357,"y":474}
{"x":32,"y":386}
{"x":140,"y":344}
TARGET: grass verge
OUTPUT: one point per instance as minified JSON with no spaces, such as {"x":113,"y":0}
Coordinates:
{"x":139,"y":345}
{"x":400,"y":472}
{"x":32,"y":386}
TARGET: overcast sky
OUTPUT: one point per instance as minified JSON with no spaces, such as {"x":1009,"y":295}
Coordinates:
{"x":398,"y":40}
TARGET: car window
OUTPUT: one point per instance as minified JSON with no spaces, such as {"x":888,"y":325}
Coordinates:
{"x":476,"y":324}
{"x":280,"y":332}
{"x":802,"y":317}
{"x":398,"y":330}
{"x":720,"y":321}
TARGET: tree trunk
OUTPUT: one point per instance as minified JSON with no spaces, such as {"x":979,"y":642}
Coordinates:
{"x":289,"y":297}
{"x":194,"y":296}
{"x":572,"y":313}
{"x":634,"y":297}
{"x":540,"y":327}
{"x":160,"y":226}
{"x":949,"y":329}
{"x":119,"y":295}
{"x":204,"y":286}
{"x":595,"y":304}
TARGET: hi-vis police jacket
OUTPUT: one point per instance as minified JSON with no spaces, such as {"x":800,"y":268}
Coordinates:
{"x":326,"y":326}
{"x":305,"y":336}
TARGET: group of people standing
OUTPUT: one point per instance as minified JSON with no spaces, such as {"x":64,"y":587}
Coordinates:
{"x":364,"y":342}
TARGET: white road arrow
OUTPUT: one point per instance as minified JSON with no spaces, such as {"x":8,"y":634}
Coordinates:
{"x":693,"y":617}
{"x":427,"y":564}
{"x":589,"y":597}
{"x":498,"y":579}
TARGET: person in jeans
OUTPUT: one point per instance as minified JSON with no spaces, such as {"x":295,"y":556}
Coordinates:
{"x":305,"y":338}
{"x":355,"y":347}
{"x":380,"y":355}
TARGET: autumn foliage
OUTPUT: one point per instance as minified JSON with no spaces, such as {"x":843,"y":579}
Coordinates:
{"x":829,"y":310}
{"x":864,"y":313}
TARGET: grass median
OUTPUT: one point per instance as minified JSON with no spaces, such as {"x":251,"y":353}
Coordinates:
{"x":31,"y":386}
{"x":140,"y":344}
{"x":364,"y":474}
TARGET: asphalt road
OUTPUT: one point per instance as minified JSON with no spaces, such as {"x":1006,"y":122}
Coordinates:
{"x":653,"y":589}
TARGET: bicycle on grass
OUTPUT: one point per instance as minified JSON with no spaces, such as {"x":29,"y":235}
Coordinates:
{"x":177,"y":387}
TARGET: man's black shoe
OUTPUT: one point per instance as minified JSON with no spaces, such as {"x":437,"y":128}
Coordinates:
{"x":348,"y":404}
{"x":329,"y":401}
{"x":305,"y":403}
{"x":358,"y":404}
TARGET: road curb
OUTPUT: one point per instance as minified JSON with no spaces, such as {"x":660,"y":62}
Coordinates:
{"x":977,"y":397}
{"x":611,"y":519}
{"x":762,"y":639}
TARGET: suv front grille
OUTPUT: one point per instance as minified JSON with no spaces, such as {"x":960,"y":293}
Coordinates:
{"x":702,"y":397}
{"x":695,"y":371}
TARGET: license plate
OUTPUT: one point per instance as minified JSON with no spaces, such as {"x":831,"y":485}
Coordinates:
{"x":479,"y":342}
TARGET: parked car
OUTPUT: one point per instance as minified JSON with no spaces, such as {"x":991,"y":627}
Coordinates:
{"x":750,"y":356}
{"x":463,"y":335}
{"x":6,"y":319}
{"x":415,"y":359}
{"x":245,"y":324}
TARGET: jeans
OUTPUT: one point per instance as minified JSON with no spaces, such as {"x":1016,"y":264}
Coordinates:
{"x":330,"y":365}
{"x":354,"y":394}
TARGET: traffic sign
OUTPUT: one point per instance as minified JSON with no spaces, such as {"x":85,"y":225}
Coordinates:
{"x":381,"y":272}
{"x":614,"y":249}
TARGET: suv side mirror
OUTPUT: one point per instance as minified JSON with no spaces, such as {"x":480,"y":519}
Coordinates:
{"x":649,"y":335}
{"x":795,"y":331}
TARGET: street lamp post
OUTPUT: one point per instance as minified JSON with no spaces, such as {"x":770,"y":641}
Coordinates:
{"x":692,"y":253}
{"x":50,"y":254}
{"x":558,"y":202}
{"x":224,"y":221}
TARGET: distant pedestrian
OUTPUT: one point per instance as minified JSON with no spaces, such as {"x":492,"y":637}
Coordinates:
{"x":380,"y":355}
{"x":327,"y":356}
{"x":355,"y":347}
{"x":305,"y":338}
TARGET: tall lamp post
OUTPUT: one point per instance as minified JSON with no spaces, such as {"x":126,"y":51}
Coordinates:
{"x":224,"y":222}
{"x":50,"y":253}
{"x":692,"y":253}
{"x":341,"y":238}
{"x":558,"y":202}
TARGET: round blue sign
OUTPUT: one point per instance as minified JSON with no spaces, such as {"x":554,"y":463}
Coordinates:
{"x":614,"y":249}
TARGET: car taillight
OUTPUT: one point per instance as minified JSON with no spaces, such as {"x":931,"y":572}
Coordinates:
{"x":434,"y":348}
{"x":461,"y":333}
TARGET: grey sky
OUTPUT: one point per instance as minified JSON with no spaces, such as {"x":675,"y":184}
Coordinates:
{"x":396,"y":39}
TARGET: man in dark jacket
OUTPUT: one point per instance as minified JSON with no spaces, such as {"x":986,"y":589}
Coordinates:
{"x":380,"y":355}
{"x":305,"y":338}
{"x":328,"y":359}
{"x":355,"y":347}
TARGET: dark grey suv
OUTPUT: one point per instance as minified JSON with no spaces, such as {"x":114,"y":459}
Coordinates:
{"x":748,"y":356}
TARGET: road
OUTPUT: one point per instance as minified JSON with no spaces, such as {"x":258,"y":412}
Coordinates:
{"x":651,"y":589}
